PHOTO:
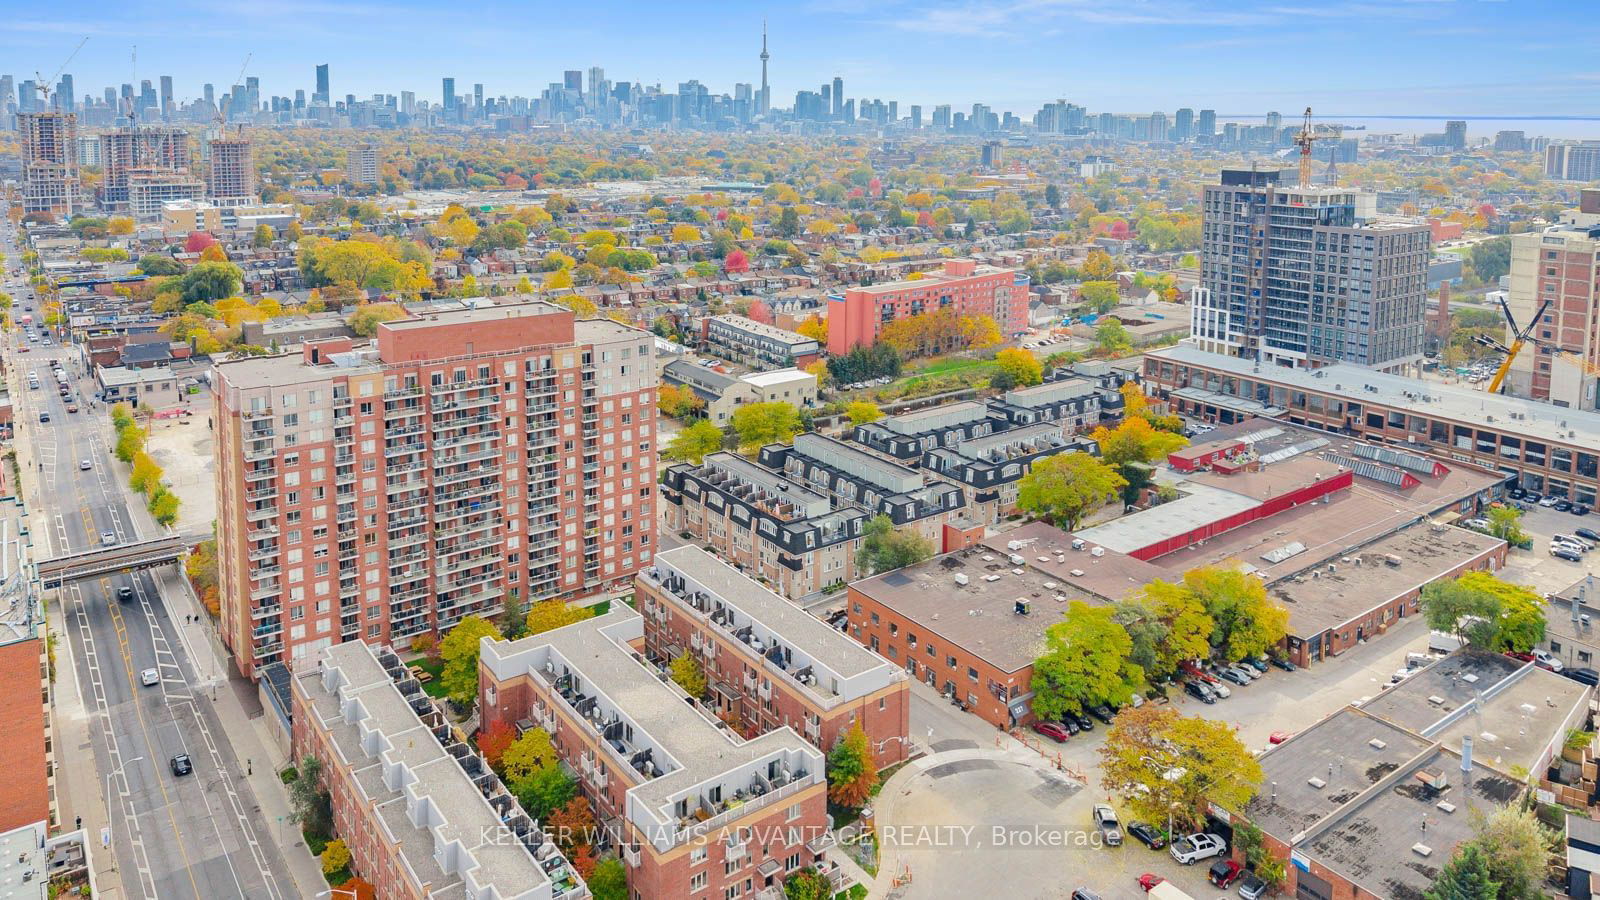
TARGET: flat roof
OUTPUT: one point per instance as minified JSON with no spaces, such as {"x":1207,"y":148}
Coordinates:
{"x":887,"y":476}
{"x":1201,"y":505}
{"x":777,"y":377}
{"x":1109,"y":575}
{"x":819,"y":640}
{"x":1049,"y":392}
{"x":24,"y":869}
{"x":595,"y":650}
{"x":1046,"y":432}
{"x":1542,"y":421}
{"x":486,"y":312}
{"x":744,"y":323}
{"x":1365,"y":578}
{"x":936,"y":417}
{"x":979,"y":616}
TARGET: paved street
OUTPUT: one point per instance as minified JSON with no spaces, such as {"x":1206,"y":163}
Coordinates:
{"x":197,"y":835}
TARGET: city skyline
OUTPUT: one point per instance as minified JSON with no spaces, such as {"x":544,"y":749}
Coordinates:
{"x":1406,"y":59}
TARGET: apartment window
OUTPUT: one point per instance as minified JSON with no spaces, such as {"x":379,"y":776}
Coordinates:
{"x":793,"y":813}
{"x":698,"y":881}
{"x":698,"y":856}
{"x":972,"y":674}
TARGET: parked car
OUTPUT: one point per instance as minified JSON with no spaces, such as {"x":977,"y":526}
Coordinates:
{"x":1588,"y":534}
{"x":1581,"y":509}
{"x":1103,"y":712}
{"x":1105,"y":819}
{"x":1544,"y":660}
{"x":150,"y":677}
{"x":1251,"y":887}
{"x":1220,"y":688}
{"x":1563,"y":506}
{"x":1195,"y":847}
{"x":1082,"y":720}
{"x":1149,"y":880}
{"x":1233,"y":675}
{"x":1053,"y":731}
{"x":1283,"y":663}
{"x":1559,"y":552}
{"x":1258,"y":663}
{"x":1224,"y":872}
{"x":181,"y":765}
{"x":1278,"y":737}
{"x":1578,"y":542}
{"x":1147,"y":835}
{"x":1084,"y":893}
{"x":1549,"y":501}
{"x":1583,"y":676}
{"x":1070,"y":724}
{"x":1200,"y":691}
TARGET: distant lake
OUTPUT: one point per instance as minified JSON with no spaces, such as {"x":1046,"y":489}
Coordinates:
{"x":1566,"y":127}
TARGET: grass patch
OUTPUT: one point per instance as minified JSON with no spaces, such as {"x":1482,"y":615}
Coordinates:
{"x":856,"y":892}
{"x":434,"y":667}
{"x":339,"y":876}
{"x":601,"y":608}
{"x":955,"y":365}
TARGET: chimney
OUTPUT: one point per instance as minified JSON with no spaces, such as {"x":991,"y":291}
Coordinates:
{"x":1466,"y":755}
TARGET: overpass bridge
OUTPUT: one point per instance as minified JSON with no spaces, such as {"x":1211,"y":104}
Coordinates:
{"x":136,"y":556}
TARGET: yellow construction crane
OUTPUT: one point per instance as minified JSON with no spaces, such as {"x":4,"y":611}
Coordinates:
{"x":1307,"y":136}
{"x":221,"y":118}
{"x":1519,"y":338}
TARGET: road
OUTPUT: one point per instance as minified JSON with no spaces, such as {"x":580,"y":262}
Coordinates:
{"x":197,"y":835}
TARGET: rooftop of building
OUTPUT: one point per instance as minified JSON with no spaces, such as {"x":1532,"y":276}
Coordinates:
{"x":1470,"y":407}
{"x":778,"y":378}
{"x":1585,"y":592}
{"x":933,"y":277}
{"x":1108,"y":574}
{"x":1200,"y":505}
{"x":1029,"y":440}
{"x":701,"y":376}
{"x":1049,"y":392}
{"x":979,"y":616}
{"x":888,"y":476}
{"x":478,"y":313}
{"x":806,"y":503}
{"x":694,"y":749}
{"x":24,"y":866}
{"x":935,"y":417}
{"x":493,"y":856}
{"x":813,"y":637}
{"x":744,"y":323}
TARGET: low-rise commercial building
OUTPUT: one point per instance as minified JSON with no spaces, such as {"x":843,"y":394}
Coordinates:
{"x":1548,"y":449}
{"x":421,"y":812}
{"x":757,"y":344}
{"x":698,"y":811}
{"x":768,"y":663}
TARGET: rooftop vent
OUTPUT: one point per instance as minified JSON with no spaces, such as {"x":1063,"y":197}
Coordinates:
{"x":1316,"y":782}
{"x":1421,"y":849}
{"x":1377,"y":744}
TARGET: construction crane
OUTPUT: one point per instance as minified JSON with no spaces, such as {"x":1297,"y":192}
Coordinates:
{"x":1307,"y":136}
{"x":45,"y":84}
{"x":221,"y":118}
{"x":1519,"y":338}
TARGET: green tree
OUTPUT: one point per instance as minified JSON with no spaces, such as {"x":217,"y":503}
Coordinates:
{"x":1052,"y":196}
{"x":1517,"y":850}
{"x":788,"y":222}
{"x":807,"y":884}
{"x":545,"y":791}
{"x":1470,"y":614}
{"x":1099,"y":296}
{"x":884,"y":547}
{"x":691,"y":444}
{"x":1086,"y":661}
{"x":310,"y":806}
{"x":548,"y":615}
{"x":1021,"y":366}
{"x":1112,"y":337}
{"x":1505,"y":523}
{"x":209,"y":282}
{"x":459,"y":651}
{"x":688,"y":674}
{"x":1066,"y":487}
{"x":1464,"y":877}
{"x":531,"y":752}
{"x":1161,"y":762}
{"x":1135,"y":440}
{"x":263,"y":236}
{"x":1492,"y":258}
{"x":609,"y":880}
{"x":130,"y":442}
{"x":1185,"y":625}
{"x":164,"y":506}
{"x":1247,"y":622}
{"x":861,"y":412}
{"x":758,"y":424}
{"x":852,"y":769}
{"x":335,"y":856}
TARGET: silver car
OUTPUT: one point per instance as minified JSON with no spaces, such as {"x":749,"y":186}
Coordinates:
{"x":1105,"y":819}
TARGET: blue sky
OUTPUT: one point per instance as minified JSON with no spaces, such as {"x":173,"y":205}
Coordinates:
{"x":1375,"y":57}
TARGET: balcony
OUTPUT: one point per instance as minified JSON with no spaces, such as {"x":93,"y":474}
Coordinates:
{"x":396,"y":523}
{"x":462,"y":403}
{"x":467,"y":527}
{"x":261,"y":534}
{"x":261,"y":612}
{"x":260,"y":572}
{"x":440,"y":478}
{"x":445,"y":460}
{"x":462,"y":422}
{"x":345,"y":518}
{"x":411,"y":390}
{"x":468,"y":509}
{"x":260,"y":474}
{"x":262,"y":593}
{"x":401,"y":449}
{"x":255,"y":454}
{"x":456,"y":386}
{"x":256,"y":414}
{"x":266,"y":493}
{"x":257,"y":515}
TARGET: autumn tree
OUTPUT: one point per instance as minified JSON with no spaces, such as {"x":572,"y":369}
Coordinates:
{"x":1485,"y":611}
{"x":1067,"y":487}
{"x":807,"y":884}
{"x":1247,"y":623}
{"x":1517,"y":850}
{"x":688,"y":674}
{"x":1464,"y":877}
{"x":691,"y":444}
{"x":1162,"y":762}
{"x":852,"y":769}
{"x":1099,"y":266}
{"x":459,"y":651}
{"x":1086,"y":662}
{"x":493,"y":740}
{"x":335,"y":856}
{"x":548,"y":615}
{"x":861,"y":412}
{"x":572,"y":826}
{"x":759,"y":424}
{"x":527,"y":755}
{"x":1020,"y":367}
{"x":368,"y":316}
{"x":815,"y":328}
{"x":1134,"y":440}
{"x":1177,"y":621}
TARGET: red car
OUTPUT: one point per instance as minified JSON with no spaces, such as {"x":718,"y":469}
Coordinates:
{"x":1224,"y":872}
{"x":1053,"y":731}
{"x":1278,"y":737}
{"x":1149,"y":880}
{"x":1194,"y":671}
{"x":1525,"y":657}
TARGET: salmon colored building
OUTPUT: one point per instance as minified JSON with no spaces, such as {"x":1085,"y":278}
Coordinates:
{"x":378,"y":492}
{"x":768,"y":663}
{"x":422,"y":813}
{"x":698,"y":812}
{"x":857,"y":316}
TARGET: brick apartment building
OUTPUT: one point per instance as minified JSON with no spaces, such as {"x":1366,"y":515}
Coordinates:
{"x":697,"y":811}
{"x":758,"y":344}
{"x":857,"y":316}
{"x":794,"y":518}
{"x":1559,"y":265}
{"x":384,"y":491}
{"x":769,"y":663}
{"x":422,"y":813}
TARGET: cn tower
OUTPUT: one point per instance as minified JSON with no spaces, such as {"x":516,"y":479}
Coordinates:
{"x":765,"y":102}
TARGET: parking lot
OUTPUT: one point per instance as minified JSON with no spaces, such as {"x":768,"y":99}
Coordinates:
{"x":1020,"y":801}
{"x":1537,"y":568}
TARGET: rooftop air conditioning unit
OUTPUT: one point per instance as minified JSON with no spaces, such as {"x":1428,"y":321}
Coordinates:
{"x":961,"y":578}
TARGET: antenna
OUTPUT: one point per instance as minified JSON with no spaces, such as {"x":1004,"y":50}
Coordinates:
{"x":45,"y":84}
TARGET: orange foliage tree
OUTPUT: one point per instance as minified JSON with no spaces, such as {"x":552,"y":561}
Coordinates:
{"x":493,"y":741}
